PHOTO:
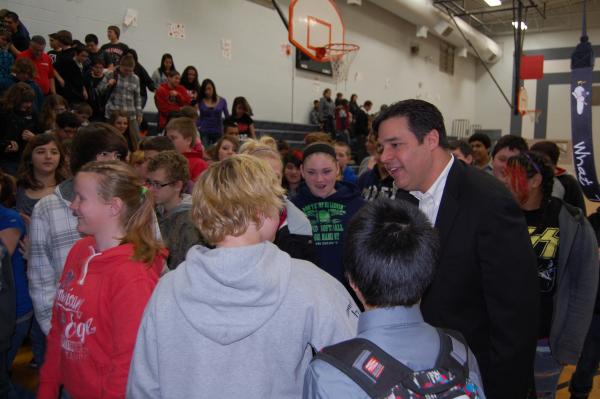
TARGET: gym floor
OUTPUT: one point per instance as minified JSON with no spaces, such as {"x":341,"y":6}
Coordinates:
{"x":27,"y":377}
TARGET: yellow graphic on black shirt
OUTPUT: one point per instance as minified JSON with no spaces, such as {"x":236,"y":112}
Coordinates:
{"x":548,"y":239}
{"x":545,"y":246}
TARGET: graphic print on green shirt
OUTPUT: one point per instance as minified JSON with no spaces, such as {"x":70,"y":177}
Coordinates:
{"x":326,"y":221}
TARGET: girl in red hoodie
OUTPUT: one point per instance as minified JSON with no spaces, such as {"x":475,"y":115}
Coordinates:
{"x":107,"y":279}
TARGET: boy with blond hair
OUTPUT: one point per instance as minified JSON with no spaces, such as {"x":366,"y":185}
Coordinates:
{"x":242,"y":319}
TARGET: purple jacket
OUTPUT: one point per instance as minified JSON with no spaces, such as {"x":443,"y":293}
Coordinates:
{"x":210,"y":121}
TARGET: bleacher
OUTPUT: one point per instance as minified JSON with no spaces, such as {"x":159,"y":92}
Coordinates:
{"x":293,"y":133}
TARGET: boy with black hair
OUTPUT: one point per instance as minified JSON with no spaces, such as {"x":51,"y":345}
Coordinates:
{"x":167,"y":178}
{"x":84,"y":112}
{"x":91,"y":43}
{"x":67,"y":124}
{"x":463,"y":151}
{"x":19,"y":34}
{"x":92,"y":79}
{"x":72,"y":72}
{"x":230,"y":127}
{"x":508,"y":146}
{"x":566,"y":186}
{"x":480,"y":144}
{"x":390,"y":258}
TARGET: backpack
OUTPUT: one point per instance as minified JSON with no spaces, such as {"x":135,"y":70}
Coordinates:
{"x":383,"y":377}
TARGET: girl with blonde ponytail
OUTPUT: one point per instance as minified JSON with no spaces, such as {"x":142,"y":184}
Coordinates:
{"x":107,"y":280}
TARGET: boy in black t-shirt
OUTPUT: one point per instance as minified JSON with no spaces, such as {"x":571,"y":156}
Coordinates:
{"x":114,"y":48}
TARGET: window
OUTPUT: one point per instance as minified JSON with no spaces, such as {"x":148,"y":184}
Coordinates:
{"x":447,"y":57}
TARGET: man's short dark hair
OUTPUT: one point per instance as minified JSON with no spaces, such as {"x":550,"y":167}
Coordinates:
{"x":482,"y":138}
{"x":391,"y":253}
{"x":368,"y":103}
{"x":548,"y":149}
{"x":512,"y":143}
{"x":37,"y":39}
{"x":96,"y":59}
{"x":81,"y":49}
{"x":67,"y":119}
{"x":157,"y":143}
{"x":12,"y":15}
{"x":94,"y":139}
{"x":64,"y":37}
{"x":91,"y":38}
{"x":422,"y":117}
{"x":462,"y":146}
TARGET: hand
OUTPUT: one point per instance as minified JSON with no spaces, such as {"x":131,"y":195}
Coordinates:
{"x":139,"y":119}
{"x":85,"y":95}
{"x":12,"y":147}
{"x":61,"y":82}
{"x":112,"y":82}
{"x":27,"y":135}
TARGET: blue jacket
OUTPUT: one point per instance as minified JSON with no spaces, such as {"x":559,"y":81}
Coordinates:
{"x":402,"y":333}
{"x":349,"y":176}
{"x":329,"y":218}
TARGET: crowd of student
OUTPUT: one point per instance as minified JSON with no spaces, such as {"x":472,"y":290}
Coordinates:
{"x":155,"y":267}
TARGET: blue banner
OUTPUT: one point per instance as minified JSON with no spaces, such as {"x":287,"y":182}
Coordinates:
{"x":581,"y":132}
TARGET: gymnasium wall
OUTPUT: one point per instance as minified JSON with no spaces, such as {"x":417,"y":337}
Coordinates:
{"x":492,"y":112}
{"x":384,"y":71}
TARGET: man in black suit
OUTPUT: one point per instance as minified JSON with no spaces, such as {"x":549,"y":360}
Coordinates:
{"x":486,"y":285}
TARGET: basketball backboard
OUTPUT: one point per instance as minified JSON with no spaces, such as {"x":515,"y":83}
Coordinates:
{"x":314,"y":24}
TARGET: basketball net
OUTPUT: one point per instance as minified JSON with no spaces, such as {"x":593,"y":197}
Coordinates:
{"x":341,"y":56}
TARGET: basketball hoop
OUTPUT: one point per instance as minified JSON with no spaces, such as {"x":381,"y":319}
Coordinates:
{"x":341,"y":56}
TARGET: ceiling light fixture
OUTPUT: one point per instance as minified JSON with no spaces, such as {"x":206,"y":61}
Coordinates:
{"x":523,"y":25}
{"x":493,"y":3}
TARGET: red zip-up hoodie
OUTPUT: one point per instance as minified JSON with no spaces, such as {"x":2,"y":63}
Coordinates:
{"x":99,"y":304}
{"x":166,"y":104}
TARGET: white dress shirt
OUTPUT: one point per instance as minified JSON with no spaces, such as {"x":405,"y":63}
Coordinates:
{"x":429,"y":201}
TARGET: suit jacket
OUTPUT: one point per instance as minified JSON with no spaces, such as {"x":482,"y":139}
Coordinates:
{"x":486,"y":285}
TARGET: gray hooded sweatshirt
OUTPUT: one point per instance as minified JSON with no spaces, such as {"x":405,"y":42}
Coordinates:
{"x":237,"y":323}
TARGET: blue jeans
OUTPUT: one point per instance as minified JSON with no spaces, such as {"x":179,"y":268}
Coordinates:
{"x":38,"y":342}
{"x":21,"y":330}
{"x":546,"y":371}
{"x":582,"y":380}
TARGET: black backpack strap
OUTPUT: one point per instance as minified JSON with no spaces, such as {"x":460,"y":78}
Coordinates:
{"x":366,"y":364}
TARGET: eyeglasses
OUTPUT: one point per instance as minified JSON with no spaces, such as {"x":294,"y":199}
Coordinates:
{"x":157,"y":185}
{"x":113,"y":155}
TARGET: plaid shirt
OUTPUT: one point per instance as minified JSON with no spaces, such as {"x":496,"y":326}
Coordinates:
{"x":125,"y":96}
{"x":52,"y":233}
{"x":6,"y":62}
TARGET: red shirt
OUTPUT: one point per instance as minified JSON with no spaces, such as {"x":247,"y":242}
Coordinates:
{"x":98,"y":308}
{"x":165,"y":103}
{"x":196,"y":163}
{"x":43,"y":67}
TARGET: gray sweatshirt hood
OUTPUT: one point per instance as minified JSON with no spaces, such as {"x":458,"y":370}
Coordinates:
{"x":241,"y":289}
